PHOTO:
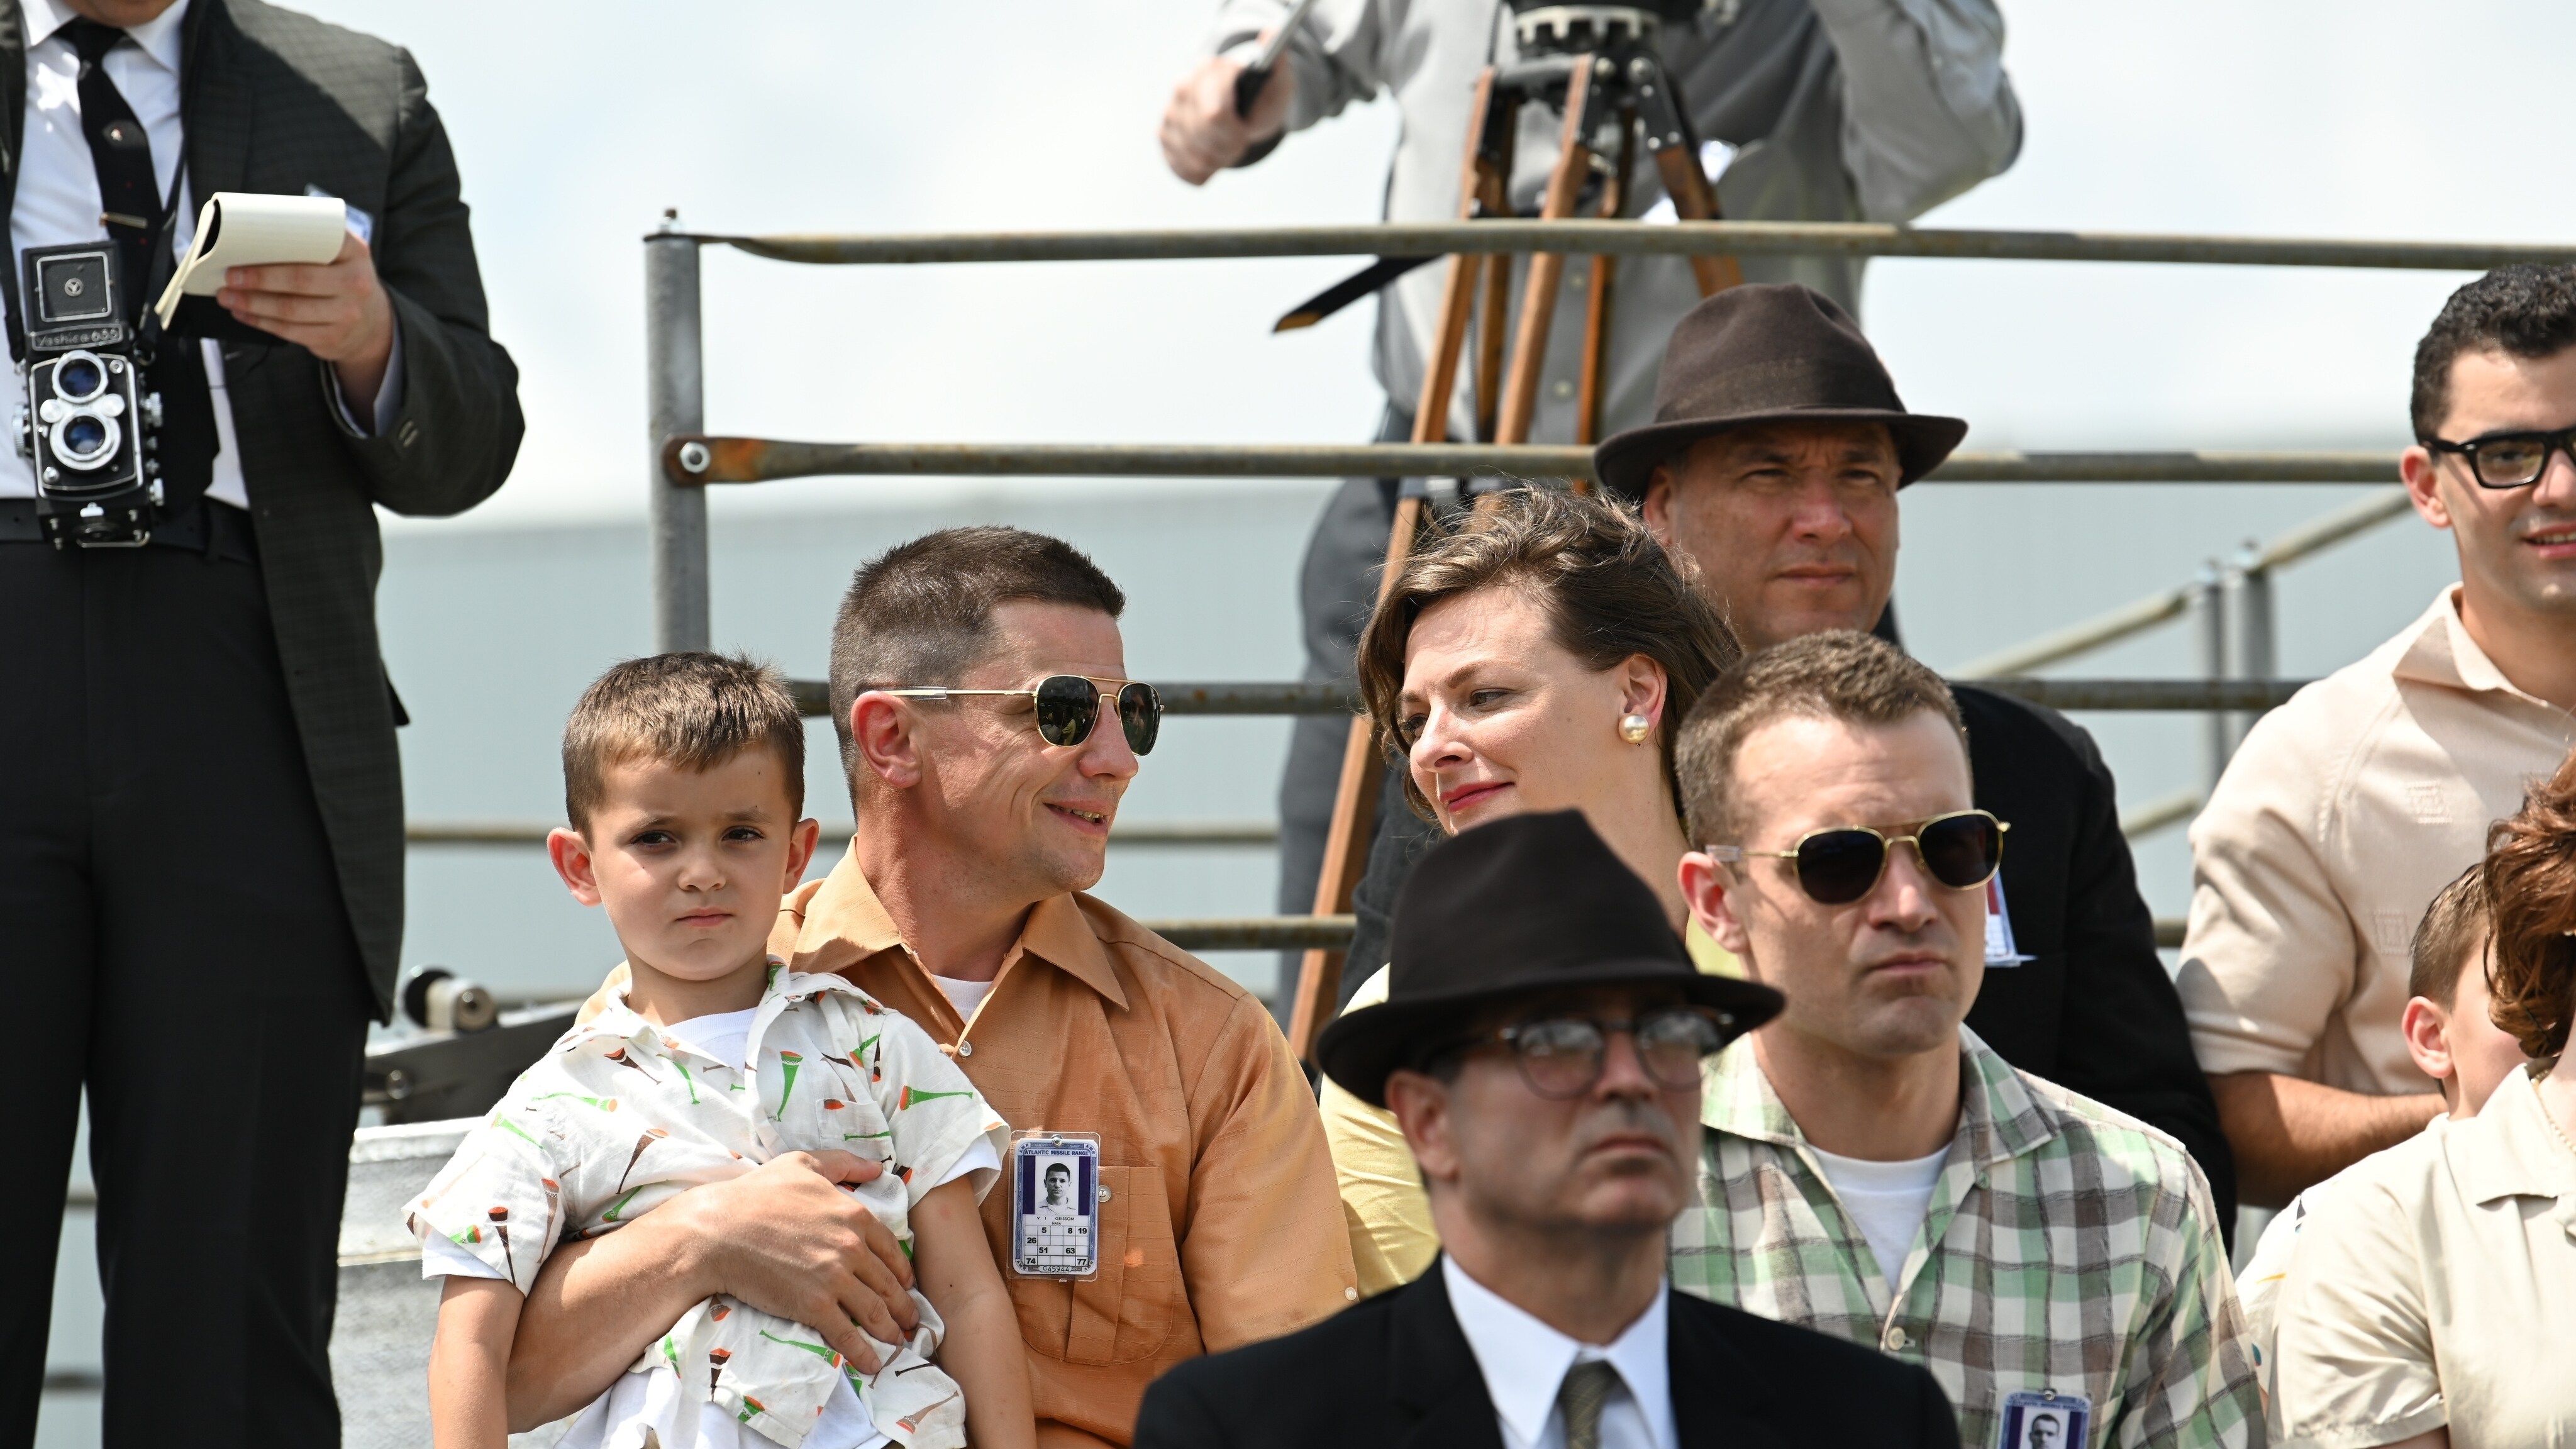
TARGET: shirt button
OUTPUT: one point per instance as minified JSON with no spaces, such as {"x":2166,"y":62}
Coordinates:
{"x":965,"y":1049}
{"x":1896,"y":1340}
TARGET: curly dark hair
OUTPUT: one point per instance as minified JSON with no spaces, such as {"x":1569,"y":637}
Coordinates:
{"x":1611,"y":590}
{"x":2531,"y":896}
{"x":2526,"y":311}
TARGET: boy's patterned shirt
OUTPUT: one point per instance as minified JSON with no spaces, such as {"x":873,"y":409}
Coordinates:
{"x":2066,"y":1247}
{"x":620,"y":1117}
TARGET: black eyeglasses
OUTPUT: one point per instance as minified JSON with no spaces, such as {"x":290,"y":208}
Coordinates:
{"x":1561,"y":1057}
{"x":1839,"y":866}
{"x":2509,"y":460}
{"x":1068,"y":707}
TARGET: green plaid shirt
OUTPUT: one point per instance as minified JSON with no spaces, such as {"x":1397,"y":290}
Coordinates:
{"x":2067,"y":1247}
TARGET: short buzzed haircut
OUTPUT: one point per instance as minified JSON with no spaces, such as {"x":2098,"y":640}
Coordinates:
{"x":692,"y":710}
{"x":1835,"y":675}
{"x":2453,"y":924}
{"x":2524,"y":311}
{"x":921,"y":613}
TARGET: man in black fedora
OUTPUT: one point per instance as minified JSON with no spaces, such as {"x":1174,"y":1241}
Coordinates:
{"x":1778,"y":448}
{"x":1541,"y":1043}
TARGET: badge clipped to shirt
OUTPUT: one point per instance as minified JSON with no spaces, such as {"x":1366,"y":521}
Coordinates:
{"x":1999,"y":936}
{"x":1055,"y":1204}
{"x":2046,"y":1419}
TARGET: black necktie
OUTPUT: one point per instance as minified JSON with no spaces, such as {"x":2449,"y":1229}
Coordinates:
{"x":130,"y":206}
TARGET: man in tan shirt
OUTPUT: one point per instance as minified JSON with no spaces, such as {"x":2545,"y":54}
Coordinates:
{"x":984,"y":800}
{"x":2349,"y":807}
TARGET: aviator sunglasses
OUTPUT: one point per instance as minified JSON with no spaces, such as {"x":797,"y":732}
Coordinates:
{"x":1839,"y":866}
{"x":1068,"y":706}
{"x":1561,"y":1057}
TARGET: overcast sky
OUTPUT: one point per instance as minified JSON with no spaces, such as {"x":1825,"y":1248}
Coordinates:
{"x":575,"y":124}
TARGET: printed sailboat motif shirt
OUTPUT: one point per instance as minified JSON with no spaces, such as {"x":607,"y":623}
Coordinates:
{"x":620,"y":1117}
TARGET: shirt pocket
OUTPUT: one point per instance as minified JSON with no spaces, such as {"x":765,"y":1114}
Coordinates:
{"x":1125,"y":1313}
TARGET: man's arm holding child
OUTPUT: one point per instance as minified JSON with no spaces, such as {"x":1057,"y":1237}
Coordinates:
{"x":781,"y":1238}
{"x":983,"y":1351}
{"x":469,"y":1361}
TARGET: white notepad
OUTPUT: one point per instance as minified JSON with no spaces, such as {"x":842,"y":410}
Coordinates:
{"x":249,"y":229}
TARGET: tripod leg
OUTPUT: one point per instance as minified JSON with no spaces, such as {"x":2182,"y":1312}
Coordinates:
{"x":1489,"y":331}
{"x":1596,"y":303}
{"x":1547,"y":269}
{"x":1694,"y":200}
{"x":1346,"y":846}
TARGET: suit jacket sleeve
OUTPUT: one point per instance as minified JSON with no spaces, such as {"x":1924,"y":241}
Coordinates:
{"x":1265,"y":1250}
{"x":456,"y":432}
{"x":2123,"y":1040}
{"x":1177,"y":1416}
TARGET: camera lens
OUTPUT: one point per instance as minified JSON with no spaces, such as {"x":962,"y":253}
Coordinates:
{"x":85,"y":437}
{"x":80,"y":378}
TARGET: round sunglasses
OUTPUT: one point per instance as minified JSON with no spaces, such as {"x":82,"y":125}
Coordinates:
{"x":1068,"y":707}
{"x":1836,"y":867}
{"x":1562,"y":1057}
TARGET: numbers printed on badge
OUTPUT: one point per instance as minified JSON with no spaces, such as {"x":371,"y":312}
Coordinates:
{"x":2045,"y":1420}
{"x":1055,"y":1206}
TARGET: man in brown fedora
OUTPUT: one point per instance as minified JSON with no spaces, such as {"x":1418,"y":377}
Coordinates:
{"x":1778,"y":449}
{"x":1542,"y":1043}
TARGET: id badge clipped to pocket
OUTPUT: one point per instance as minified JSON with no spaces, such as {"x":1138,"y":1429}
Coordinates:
{"x":1055,"y":1204}
{"x":2045,"y":1420}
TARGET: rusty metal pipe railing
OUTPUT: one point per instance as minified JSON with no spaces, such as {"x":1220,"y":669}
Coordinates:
{"x":699,"y":459}
{"x":1627,"y":238}
{"x":2105,"y":694}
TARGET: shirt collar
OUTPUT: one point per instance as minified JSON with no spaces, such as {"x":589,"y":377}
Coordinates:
{"x":620,"y":1022}
{"x":2511,"y":1148}
{"x":1998,"y":1117}
{"x":2439,"y":651}
{"x":845,"y":924}
{"x":1524,"y":1361}
{"x":159,"y":37}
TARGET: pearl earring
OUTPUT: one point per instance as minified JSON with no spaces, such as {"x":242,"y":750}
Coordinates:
{"x":1635,"y":727}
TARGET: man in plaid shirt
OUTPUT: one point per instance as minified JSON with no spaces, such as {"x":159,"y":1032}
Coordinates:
{"x":1872,"y":1169}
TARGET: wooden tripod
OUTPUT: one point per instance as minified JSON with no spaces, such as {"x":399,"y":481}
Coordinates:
{"x":1613,"y":99}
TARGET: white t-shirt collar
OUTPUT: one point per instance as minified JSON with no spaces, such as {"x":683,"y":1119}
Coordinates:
{"x":1524,"y":1361}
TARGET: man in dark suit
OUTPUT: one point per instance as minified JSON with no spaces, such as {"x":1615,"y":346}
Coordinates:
{"x":201,"y":848}
{"x":1773,"y":465}
{"x":1541,"y":1044}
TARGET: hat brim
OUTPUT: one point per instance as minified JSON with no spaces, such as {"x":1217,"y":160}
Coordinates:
{"x":1625,"y":462}
{"x":1360,"y":1049}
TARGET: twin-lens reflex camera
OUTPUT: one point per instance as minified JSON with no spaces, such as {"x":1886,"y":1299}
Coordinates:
{"x":88,"y":427}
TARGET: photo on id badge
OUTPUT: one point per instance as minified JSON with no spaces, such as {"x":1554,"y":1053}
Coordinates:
{"x":2044,"y":1420}
{"x":1055,"y":1205}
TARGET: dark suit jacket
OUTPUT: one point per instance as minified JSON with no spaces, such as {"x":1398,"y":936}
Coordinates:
{"x":1395,"y":1370}
{"x":2095,"y":1012}
{"x":276,"y":102}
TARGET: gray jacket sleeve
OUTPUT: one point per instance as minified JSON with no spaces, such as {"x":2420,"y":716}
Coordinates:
{"x":1927,"y":109}
{"x":1338,"y":56}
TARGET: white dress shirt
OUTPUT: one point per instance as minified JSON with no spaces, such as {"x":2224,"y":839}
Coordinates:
{"x":57,"y":202}
{"x":1524,"y":1362}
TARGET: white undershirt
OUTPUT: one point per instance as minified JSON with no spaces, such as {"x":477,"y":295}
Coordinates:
{"x":57,"y":202}
{"x":964,"y":995}
{"x":1524,"y":1363}
{"x":1886,"y":1201}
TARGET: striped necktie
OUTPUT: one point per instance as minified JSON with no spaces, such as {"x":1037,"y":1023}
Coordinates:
{"x":1587,"y":1386}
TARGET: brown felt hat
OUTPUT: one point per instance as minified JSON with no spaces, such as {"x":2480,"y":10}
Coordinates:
{"x":1769,"y":354}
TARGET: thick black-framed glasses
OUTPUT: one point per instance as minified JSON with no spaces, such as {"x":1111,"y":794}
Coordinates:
{"x":2505,"y":461}
{"x":1068,"y":707}
{"x":1961,"y":850}
{"x":1561,"y":1057}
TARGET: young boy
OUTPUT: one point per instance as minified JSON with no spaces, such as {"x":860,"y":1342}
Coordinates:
{"x":683,"y":780}
{"x":2451,"y":1037}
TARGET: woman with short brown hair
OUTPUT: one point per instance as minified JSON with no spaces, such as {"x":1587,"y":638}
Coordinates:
{"x":2434,"y":1305}
{"x":1538,"y":655}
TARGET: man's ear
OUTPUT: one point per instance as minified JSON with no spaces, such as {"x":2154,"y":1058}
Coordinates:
{"x":1657,"y":507}
{"x":571,"y":855}
{"x":2423,"y":474}
{"x":1421,"y":1106}
{"x":1713,"y":891}
{"x":884,"y":737}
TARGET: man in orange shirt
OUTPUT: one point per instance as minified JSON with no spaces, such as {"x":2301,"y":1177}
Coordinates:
{"x":988,"y":731}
